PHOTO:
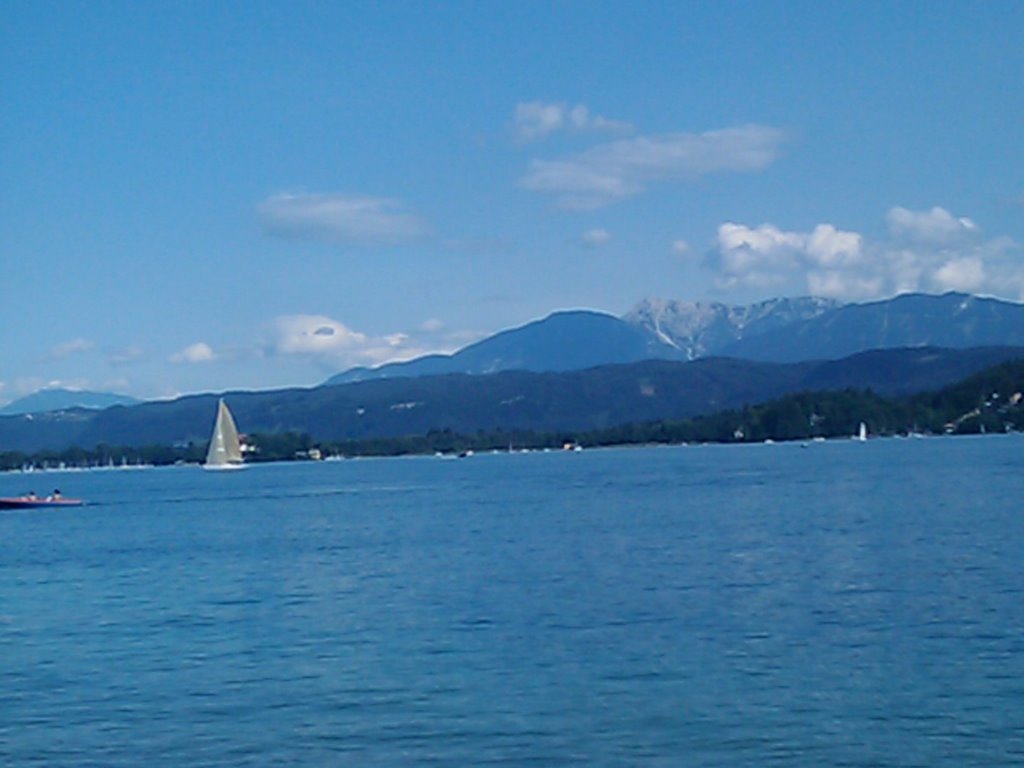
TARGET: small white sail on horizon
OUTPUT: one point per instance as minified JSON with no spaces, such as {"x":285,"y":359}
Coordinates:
{"x":862,"y":433}
{"x":225,"y":450}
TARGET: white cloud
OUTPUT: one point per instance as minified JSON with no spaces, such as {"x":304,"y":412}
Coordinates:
{"x":72,"y":347}
{"x":595,"y":238}
{"x":961,"y":274}
{"x":314,"y":335}
{"x":342,"y":219}
{"x":332,"y":345}
{"x":930,"y":251}
{"x":829,"y":247}
{"x":611,"y":172}
{"x":756,"y":257}
{"x":937,"y":226}
{"x":536,"y":120}
{"x":200,"y":352}
{"x":322,"y":338}
{"x":764,"y":242}
{"x":680,"y":247}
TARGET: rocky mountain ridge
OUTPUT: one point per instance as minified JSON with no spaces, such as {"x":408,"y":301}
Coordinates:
{"x":699,"y":329}
{"x":777,"y":330}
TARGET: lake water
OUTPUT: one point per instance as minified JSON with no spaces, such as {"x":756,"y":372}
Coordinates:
{"x":838,"y":604}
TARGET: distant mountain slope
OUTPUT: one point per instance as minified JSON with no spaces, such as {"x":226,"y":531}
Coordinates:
{"x":779,"y":330}
{"x":563,"y":341}
{"x":702,"y":329}
{"x":901,"y":372}
{"x":953,"y":320}
{"x":62,"y":399}
{"x":571,"y":400}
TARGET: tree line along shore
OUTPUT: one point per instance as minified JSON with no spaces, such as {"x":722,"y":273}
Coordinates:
{"x":989,"y":402}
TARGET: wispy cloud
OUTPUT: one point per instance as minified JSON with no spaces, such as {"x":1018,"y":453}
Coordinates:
{"x":72,"y":347}
{"x":200,"y":352}
{"x":595,"y":238}
{"x":342,"y":219}
{"x":611,"y":172}
{"x":536,"y":120}
{"x":125,"y":355}
{"x":680,"y":247}
{"x":925,"y":251}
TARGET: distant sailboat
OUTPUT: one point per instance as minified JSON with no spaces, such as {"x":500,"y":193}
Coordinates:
{"x":225,"y":448}
{"x":862,"y":433}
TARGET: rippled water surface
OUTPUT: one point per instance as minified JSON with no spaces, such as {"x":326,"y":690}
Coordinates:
{"x":836,"y":604}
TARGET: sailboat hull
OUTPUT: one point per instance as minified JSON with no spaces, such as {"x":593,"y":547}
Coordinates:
{"x":222,"y":467}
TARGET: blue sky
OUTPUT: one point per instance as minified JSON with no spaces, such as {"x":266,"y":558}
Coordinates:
{"x":201,"y":196}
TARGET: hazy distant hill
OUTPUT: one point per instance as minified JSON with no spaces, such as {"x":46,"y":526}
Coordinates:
{"x":62,"y":399}
{"x":563,"y":341}
{"x":953,"y":320}
{"x":583,"y":399}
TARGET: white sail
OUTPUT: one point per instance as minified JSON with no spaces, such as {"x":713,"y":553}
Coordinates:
{"x":225,"y":448}
{"x":862,"y":433}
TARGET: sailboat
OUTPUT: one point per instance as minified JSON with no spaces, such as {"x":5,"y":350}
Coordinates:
{"x":862,"y":433}
{"x":225,"y":448}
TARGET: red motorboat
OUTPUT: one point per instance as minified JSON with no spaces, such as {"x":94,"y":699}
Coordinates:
{"x":31,"y":501}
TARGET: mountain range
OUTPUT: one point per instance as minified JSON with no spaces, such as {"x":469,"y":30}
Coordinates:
{"x":583,"y":369}
{"x":779,"y":330}
{"x":593,"y":398}
{"x":953,"y":320}
{"x":699,"y":329}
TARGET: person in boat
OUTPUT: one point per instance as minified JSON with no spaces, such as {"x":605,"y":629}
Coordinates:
{"x":55,"y":496}
{"x":30,"y":496}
